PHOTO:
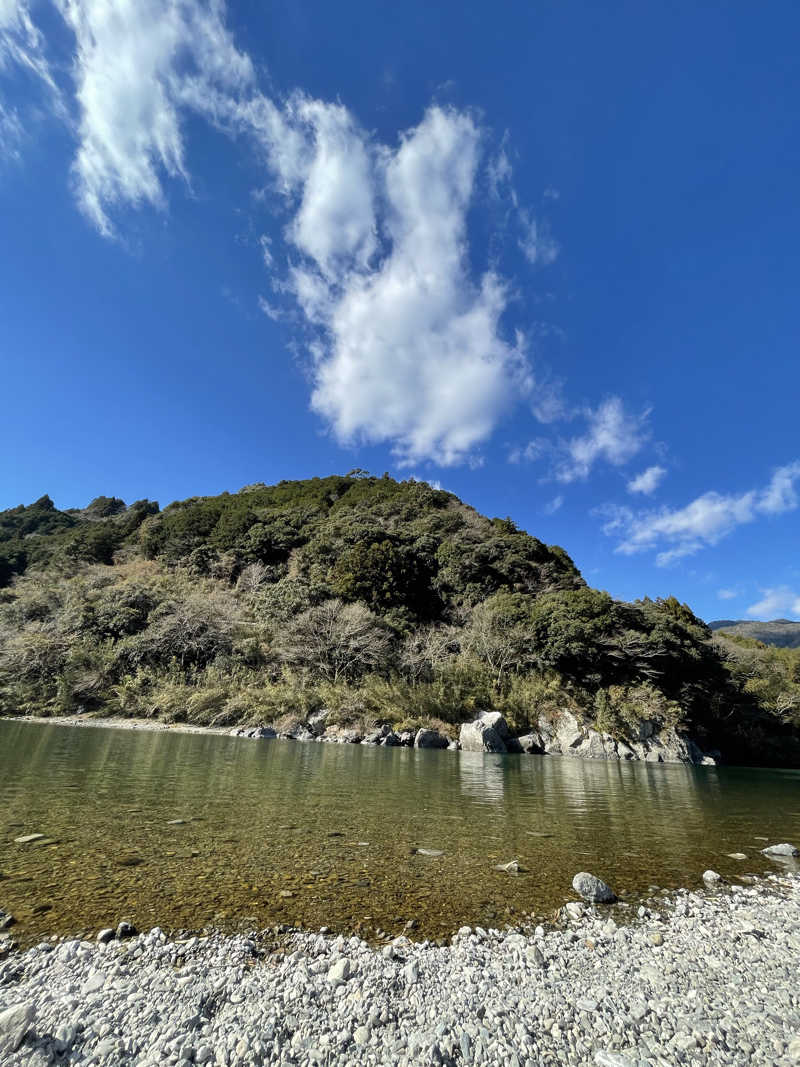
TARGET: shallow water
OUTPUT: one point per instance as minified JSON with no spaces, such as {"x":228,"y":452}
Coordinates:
{"x":321,"y":834}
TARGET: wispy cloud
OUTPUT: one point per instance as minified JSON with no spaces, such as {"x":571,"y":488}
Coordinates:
{"x":612,"y":435}
{"x":554,"y":505}
{"x":780,"y":602}
{"x":680,"y":532}
{"x":727,"y":594}
{"x":648,"y":481}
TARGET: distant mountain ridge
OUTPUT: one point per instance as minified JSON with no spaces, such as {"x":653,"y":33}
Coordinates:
{"x":782,"y":633}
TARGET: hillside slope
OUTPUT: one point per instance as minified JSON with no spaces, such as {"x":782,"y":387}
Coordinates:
{"x":783,"y":633}
{"x":378,"y":600}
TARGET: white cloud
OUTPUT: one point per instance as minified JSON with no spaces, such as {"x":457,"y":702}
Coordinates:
{"x":648,"y":481}
{"x":412,"y":351}
{"x":536,"y":244}
{"x":335,"y":224}
{"x":22,"y":45}
{"x":554,"y":505}
{"x":406,"y":340}
{"x":11,"y":133}
{"x":500,"y":172}
{"x":612,"y":435}
{"x":530,"y":452}
{"x":780,"y":602}
{"x":138,"y":64}
{"x":680,"y":532}
{"x":727,"y":594}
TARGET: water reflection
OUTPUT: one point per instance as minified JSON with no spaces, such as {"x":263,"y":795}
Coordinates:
{"x":327,"y":834}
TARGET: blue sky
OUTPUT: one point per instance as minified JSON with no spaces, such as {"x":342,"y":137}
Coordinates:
{"x":544,"y":254}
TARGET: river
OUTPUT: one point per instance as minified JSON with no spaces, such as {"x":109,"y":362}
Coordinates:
{"x":188,"y":830}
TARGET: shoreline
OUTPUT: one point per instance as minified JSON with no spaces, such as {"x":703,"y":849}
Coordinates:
{"x":566,"y":738}
{"x":706,"y":977}
{"x":119,"y":722}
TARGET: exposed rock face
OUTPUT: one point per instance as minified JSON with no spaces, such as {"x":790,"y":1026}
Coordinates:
{"x":430,"y":739}
{"x":343,"y":736}
{"x":488,"y":733}
{"x":566,"y":736}
{"x":297,"y":731}
{"x":593,"y":889}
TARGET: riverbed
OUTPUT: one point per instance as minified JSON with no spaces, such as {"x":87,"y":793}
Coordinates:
{"x":187,"y":831}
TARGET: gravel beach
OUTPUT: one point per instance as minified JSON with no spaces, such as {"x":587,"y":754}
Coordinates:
{"x":688,"y":978}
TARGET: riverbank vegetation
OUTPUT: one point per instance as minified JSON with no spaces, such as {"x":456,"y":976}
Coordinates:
{"x":382,"y":601}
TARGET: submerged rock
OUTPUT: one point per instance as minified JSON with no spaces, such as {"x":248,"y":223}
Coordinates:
{"x":593,"y":889}
{"x":512,"y":867}
{"x":780,"y":850}
{"x":26,"y":839}
{"x":711,"y":877}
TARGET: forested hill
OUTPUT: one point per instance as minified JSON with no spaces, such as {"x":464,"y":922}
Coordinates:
{"x":783,"y":633}
{"x":389,"y":601}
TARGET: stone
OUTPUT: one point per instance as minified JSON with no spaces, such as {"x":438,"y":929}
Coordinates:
{"x":126,"y":929}
{"x":391,"y":739}
{"x":316,"y":721}
{"x":593,"y":889}
{"x":15,"y":1022}
{"x":656,"y":938}
{"x":534,"y":954}
{"x":531,"y":744}
{"x":488,"y":733}
{"x":593,"y":746}
{"x":780,"y":850}
{"x":512,"y":867}
{"x":736,"y":855}
{"x":6,"y":920}
{"x":361,"y":1035}
{"x":430,"y":739}
{"x":340,"y":971}
{"x":105,"y":935}
{"x":711,"y":877}
{"x":574,"y":910}
{"x":406,"y":738}
{"x":411,"y":972}
{"x":605,"y":1058}
{"x":27,"y":838}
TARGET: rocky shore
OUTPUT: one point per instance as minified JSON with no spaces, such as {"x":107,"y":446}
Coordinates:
{"x":688,"y":978}
{"x":562,"y":735}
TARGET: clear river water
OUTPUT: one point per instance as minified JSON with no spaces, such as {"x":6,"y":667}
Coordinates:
{"x":190,"y":830}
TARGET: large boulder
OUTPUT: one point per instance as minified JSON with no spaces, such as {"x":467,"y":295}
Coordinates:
{"x":488,"y":733}
{"x":593,"y":889}
{"x":430,"y":739}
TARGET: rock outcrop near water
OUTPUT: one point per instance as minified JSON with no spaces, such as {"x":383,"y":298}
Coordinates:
{"x":692,"y":978}
{"x":560,"y":735}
